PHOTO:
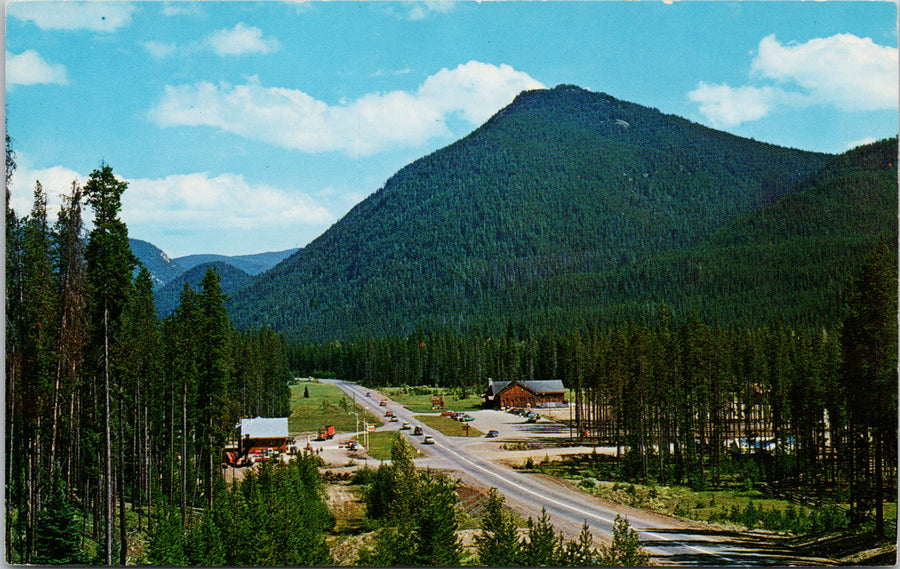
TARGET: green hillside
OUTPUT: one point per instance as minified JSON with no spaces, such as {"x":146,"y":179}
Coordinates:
{"x":168,"y":297}
{"x":786,"y":261}
{"x":565,"y":208}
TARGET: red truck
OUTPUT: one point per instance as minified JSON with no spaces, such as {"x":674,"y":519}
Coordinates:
{"x":326,"y":432}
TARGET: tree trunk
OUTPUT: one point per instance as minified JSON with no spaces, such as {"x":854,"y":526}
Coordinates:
{"x":184,"y":458}
{"x":53,"y":429}
{"x":879,"y":481}
{"x":123,"y":529}
{"x":11,"y":423}
{"x":107,"y":509}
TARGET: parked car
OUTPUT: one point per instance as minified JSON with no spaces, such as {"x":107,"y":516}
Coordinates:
{"x":418,"y":430}
{"x":404,"y":426}
{"x":467,"y":418}
{"x":448,"y":413}
{"x":458,"y":416}
{"x":492,"y":433}
{"x":428,"y":440}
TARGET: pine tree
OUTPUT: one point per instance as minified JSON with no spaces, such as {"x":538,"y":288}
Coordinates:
{"x":215,"y":373}
{"x":626,"y":547}
{"x":182,"y":364}
{"x":109,"y":268}
{"x":13,"y":368}
{"x":869,"y":375}
{"x":139,"y":353}
{"x":579,"y":553}
{"x":435,"y":522}
{"x":497,"y":542}
{"x":542,"y":546}
{"x":72,"y":333}
{"x":405,"y":482}
{"x":57,"y":539}
{"x":37,"y":345}
{"x":167,"y":540}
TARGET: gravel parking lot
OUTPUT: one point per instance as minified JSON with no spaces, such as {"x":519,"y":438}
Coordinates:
{"x":517,"y":439}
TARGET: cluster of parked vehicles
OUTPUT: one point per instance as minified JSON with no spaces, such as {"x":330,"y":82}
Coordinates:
{"x":530,"y":416}
{"x":465,"y":417}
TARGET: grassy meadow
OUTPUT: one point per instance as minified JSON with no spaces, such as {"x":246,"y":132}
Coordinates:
{"x":418,"y":399}
{"x":447,"y":426}
{"x":326,"y":405}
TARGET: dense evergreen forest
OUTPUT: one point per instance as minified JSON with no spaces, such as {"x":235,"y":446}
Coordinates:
{"x":676,"y":397}
{"x":570,"y":208}
{"x":115,"y":420}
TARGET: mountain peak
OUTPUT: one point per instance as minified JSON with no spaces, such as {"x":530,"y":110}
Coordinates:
{"x":546,"y":214}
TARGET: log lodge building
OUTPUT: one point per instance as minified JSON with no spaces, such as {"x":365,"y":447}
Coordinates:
{"x":516,"y":393}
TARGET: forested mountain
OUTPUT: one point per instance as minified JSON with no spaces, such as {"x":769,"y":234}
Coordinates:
{"x":168,"y":297}
{"x":250,"y":264}
{"x":570,"y":208}
{"x":162,"y":268}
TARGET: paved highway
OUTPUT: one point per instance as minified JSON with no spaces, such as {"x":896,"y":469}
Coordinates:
{"x":668,"y":541}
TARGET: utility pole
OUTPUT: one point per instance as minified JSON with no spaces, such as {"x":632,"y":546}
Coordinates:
{"x":357,"y":417}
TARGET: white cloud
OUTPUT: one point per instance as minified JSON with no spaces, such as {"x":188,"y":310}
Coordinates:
{"x":726,"y":106}
{"x":372,"y":123}
{"x":422,"y":10}
{"x":206,"y":205}
{"x":91,"y":16}
{"x":861,"y":142}
{"x":475,"y":90}
{"x":226,"y":201}
{"x":179,"y":8}
{"x":849,"y":72}
{"x":55,"y":180}
{"x":240,"y":40}
{"x":29,"y":68}
{"x":159,"y":50}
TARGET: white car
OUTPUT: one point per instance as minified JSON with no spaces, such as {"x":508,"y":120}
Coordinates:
{"x":428,"y":440}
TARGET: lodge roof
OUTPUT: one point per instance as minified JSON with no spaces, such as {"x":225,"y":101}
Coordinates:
{"x":535,"y":386}
{"x":263,"y":428}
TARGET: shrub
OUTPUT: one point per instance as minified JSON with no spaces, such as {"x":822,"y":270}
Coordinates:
{"x":626,"y":547}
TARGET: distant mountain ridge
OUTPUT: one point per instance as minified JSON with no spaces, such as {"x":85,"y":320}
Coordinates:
{"x":571,"y":208}
{"x":164,"y":270}
{"x":250,"y":264}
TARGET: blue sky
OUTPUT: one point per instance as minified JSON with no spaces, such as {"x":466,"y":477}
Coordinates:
{"x":244,"y":127}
